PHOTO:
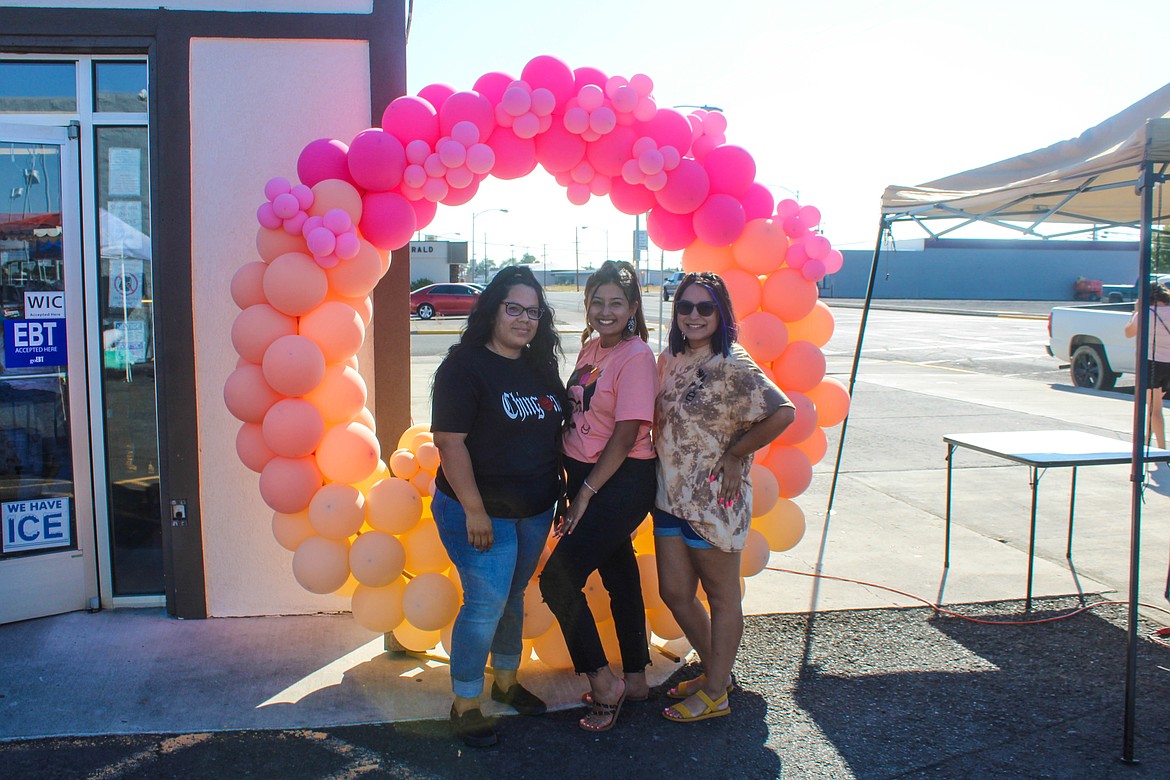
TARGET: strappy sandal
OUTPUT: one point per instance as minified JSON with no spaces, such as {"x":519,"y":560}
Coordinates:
{"x":687,"y":688}
{"x":680,"y":713}
{"x":587,"y":698}
{"x":599,"y":710}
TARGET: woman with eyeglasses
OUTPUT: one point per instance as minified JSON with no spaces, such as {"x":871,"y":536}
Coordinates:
{"x":498,"y":409}
{"x":1158,"y":355}
{"x":609,"y":461}
{"x":715,"y":408}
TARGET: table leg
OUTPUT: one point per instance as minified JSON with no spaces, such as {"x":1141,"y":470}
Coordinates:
{"x":1072,"y":502}
{"x":1032,"y":540}
{"x":947,"y":546}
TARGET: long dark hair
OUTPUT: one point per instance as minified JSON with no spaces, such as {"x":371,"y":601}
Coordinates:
{"x":543,"y":354}
{"x":726,"y":333}
{"x":622,"y":274}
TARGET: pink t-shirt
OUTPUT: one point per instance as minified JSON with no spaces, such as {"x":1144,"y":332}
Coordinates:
{"x":608,"y":386}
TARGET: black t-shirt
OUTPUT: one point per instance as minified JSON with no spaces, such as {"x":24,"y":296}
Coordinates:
{"x":511,"y":419}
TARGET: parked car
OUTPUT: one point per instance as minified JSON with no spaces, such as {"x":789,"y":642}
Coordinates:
{"x":1116,"y":293}
{"x":1091,"y":339}
{"x":444,"y":299}
{"x":671,"y":284}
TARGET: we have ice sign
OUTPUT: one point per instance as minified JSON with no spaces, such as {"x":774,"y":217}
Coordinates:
{"x":35,"y":524}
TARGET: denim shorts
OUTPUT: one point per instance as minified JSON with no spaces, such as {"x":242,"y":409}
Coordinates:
{"x":666,"y":524}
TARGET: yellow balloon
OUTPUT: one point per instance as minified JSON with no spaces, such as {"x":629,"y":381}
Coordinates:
{"x":663,"y":624}
{"x":419,"y":439}
{"x":538,"y":618}
{"x":414,"y":638}
{"x":430,"y":601}
{"x":782,"y":526}
{"x":408,"y":435}
{"x":348,"y":588}
{"x":550,"y":648}
{"x":648,"y":569}
{"x":380,"y":473}
{"x":393,"y":506}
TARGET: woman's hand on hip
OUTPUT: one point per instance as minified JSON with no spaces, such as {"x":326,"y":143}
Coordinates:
{"x":568,"y":521}
{"x":479,"y":531}
{"x":730,"y":469}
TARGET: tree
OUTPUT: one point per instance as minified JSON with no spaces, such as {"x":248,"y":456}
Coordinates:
{"x":1160,"y":251}
{"x":528,"y":259}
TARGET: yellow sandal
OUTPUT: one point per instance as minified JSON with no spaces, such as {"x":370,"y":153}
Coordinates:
{"x":679,"y":713}
{"x":687,"y":688}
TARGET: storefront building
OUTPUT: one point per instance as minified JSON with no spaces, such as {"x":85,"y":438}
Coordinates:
{"x":135,"y":141}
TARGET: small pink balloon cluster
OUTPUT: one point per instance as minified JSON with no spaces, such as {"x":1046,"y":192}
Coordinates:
{"x":287,"y":206}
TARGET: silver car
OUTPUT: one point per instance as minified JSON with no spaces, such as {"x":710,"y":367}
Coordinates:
{"x":671,"y":284}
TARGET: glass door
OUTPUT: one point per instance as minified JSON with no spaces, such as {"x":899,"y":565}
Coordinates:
{"x":47,"y":548}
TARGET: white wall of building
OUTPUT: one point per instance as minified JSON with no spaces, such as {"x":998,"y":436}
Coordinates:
{"x":254,"y":106}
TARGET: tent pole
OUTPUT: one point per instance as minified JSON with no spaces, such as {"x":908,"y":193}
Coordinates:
{"x":883,"y":226}
{"x":1138,"y":466}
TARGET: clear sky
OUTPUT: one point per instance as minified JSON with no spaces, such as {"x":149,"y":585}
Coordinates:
{"x":834,"y":99}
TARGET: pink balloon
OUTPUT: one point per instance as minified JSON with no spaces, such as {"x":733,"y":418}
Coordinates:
{"x":288,"y":484}
{"x":294,"y":283}
{"x":787,"y":208}
{"x":467,"y":107}
{"x":410,"y":118}
{"x":293,"y":365}
{"x":480,"y":158}
{"x":578,"y":193}
{"x":457,"y":196}
{"x":248,"y":284}
{"x":515,"y":157}
{"x":630,"y":198}
{"x":817,"y":247}
{"x":813,"y":270}
{"x":669,"y":127}
{"x":608,"y":153}
{"x":788,"y":295}
{"x":376,"y":160}
{"x":810,"y":216}
{"x":757,"y":202}
{"x":669,"y":231}
{"x":250,"y":446}
{"x":387,"y":220}
{"x":586,"y":75}
{"x":687,"y":187}
{"x":325,"y":158}
{"x":436,"y":95}
{"x":424,"y":212}
{"x":720,"y":220}
{"x":292,"y":428}
{"x":833,"y":261}
{"x":552,"y":74}
{"x":247,"y":395}
{"x":797,"y":255}
{"x":256,"y":327}
{"x":805,"y":422}
{"x":731,"y":168}
{"x":763,"y":335}
{"x":336,"y":329}
{"x":493,"y":85}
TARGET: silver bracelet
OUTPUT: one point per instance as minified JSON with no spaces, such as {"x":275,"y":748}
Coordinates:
{"x":590,"y":486}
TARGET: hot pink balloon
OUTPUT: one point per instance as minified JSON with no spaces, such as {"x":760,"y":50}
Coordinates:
{"x":757,"y":202}
{"x":493,"y":85}
{"x":411,"y":118}
{"x":687,"y":187}
{"x":668,"y":128}
{"x":833,"y":261}
{"x":630,"y":198}
{"x":608,"y":153}
{"x":480,"y":158}
{"x":558,"y":149}
{"x":457,"y":196}
{"x":586,"y":75}
{"x":813,"y":270}
{"x":424,"y":212}
{"x":467,"y":107}
{"x":376,"y":160}
{"x":669,"y":231}
{"x":731,"y":168}
{"x":325,"y":158}
{"x":387,"y":220}
{"x":787,"y":208}
{"x":817,"y":247}
{"x":436,"y":95}
{"x":552,"y":74}
{"x":810,"y":215}
{"x":720,"y":220}
{"x":515,"y":157}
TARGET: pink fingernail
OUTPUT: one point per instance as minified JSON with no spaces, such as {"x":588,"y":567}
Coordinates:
{"x":712,"y":478}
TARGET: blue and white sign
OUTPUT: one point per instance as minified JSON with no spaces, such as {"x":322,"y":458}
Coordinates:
{"x":34,"y":343}
{"x":37,"y":524}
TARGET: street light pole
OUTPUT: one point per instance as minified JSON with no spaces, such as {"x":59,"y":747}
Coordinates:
{"x":577,"y":255}
{"x":475,"y":214}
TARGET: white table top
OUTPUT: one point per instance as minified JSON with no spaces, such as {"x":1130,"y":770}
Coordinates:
{"x":1046,"y":449}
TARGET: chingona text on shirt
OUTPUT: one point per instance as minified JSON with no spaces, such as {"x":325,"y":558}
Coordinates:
{"x":521,"y":407}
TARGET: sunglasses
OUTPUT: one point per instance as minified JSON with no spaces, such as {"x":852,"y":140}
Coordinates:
{"x":705,"y":308}
{"x":514,"y":310}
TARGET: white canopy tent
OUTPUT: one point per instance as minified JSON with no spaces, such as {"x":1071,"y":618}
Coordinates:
{"x":1107,"y":177}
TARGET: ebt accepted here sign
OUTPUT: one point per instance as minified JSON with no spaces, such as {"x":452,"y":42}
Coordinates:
{"x":36,"y":524}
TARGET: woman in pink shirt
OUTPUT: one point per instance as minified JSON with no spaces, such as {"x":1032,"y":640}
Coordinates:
{"x":610,"y":465}
{"x":1158,"y":354}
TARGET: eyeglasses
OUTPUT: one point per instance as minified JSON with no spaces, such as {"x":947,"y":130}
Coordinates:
{"x":705,"y":308}
{"x":514,"y":310}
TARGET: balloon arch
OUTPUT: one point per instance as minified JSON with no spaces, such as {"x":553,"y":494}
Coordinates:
{"x":360,"y":525}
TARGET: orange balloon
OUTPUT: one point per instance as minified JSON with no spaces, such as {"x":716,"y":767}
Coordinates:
{"x":295,"y":284}
{"x":805,"y":422}
{"x":402,"y":464}
{"x":550,"y":648}
{"x":293,"y":365}
{"x":293,"y":427}
{"x":782,"y":526}
{"x":337,"y":511}
{"x":754,"y":557}
{"x":393,"y":506}
{"x":248,"y":284}
{"x":256,"y":327}
{"x":366,"y":418}
{"x":424,"y":549}
{"x":427,"y":456}
{"x":817,"y":326}
{"x":760,"y":249}
{"x":791,"y":468}
{"x":379,"y":609}
{"x":376,"y":558}
{"x":271,"y":244}
{"x":247,"y":395}
{"x":832,"y":402}
{"x":321,"y":565}
{"x":597,"y":597}
{"x":408,"y":435}
{"x":251,"y":447}
{"x":663,"y":624}
{"x":788,"y":295}
{"x":815,"y":446}
{"x":704,"y":257}
{"x":341,"y":395}
{"x":348,"y":452}
{"x":430,"y":601}
{"x":765,"y":489}
{"x":538,"y":618}
{"x":607,"y":633}
{"x":288,"y":484}
{"x":348,"y":588}
{"x":424,"y":483}
{"x":648,"y":570}
{"x":291,"y":529}
{"x":414,"y":638}
{"x":363,"y":305}
{"x":419,"y":439}
{"x":380,"y":473}
{"x":744,"y":289}
{"x":763,"y":335}
{"x":357,"y":276}
{"x":335,"y":328}
{"x":336,"y":194}
{"x":801,"y":367}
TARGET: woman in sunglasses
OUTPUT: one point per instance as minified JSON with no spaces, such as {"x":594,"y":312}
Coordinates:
{"x":498,"y":409}
{"x":715,"y":408}
{"x":610,"y":464}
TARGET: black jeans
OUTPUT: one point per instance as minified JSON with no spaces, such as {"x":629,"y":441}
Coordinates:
{"x":601,"y":542}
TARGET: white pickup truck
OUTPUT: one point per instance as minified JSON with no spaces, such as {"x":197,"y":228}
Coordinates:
{"x":1091,"y":339}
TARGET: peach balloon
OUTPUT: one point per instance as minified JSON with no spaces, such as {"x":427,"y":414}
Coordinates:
{"x":271,"y":244}
{"x":782,"y":527}
{"x":427,"y":456}
{"x":415,"y":639}
{"x":376,"y":558}
{"x":321,"y":565}
{"x":760,"y":249}
{"x":538,"y":618}
{"x":291,"y":529}
{"x":337,"y":511}
{"x":341,"y":395}
{"x":380,"y":473}
{"x":597,"y":597}
{"x":832,"y":401}
{"x":294,"y":284}
{"x":791,"y":468}
{"x":648,"y":569}
{"x":247,"y":395}
{"x":754,"y":557}
{"x":815,"y":446}
{"x":293,"y":365}
{"x":763,"y":335}
{"x":550,"y":648}
{"x":336,"y":194}
{"x":293,"y":427}
{"x":348,"y":452}
{"x":704,"y":257}
{"x":403,"y":464}
{"x":419,"y":439}
{"x":393,"y":506}
{"x":363,"y":305}
{"x":256,"y":327}
{"x":424,"y":483}
{"x":788,"y":295}
{"x":424,"y":549}
{"x":607,"y":633}
{"x":357,"y":276}
{"x":288,"y":484}
{"x":816,"y":327}
{"x":805,"y":422}
{"x":366,"y":418}
{"x":430,"y":601}
{"x":663,"y":624}
{"x":765,"y":489}
{"x":254,"y":452}
{"x":348,"y":588}
{"x":248,"y":284}
{"x":335,"y":328}
{"x":801,"y":367}
{"x":379,"y":609}
{"x":744,"y":289}
{"x":408,"y":435}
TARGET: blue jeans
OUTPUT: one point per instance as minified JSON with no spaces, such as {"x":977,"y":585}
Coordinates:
{"x":492,"y":615}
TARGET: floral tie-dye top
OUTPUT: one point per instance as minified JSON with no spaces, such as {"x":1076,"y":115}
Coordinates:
{"x":705,"y":401}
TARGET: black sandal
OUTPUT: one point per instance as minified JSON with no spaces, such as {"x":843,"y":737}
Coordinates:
{"x":598,"y":709}
{"x":473,"y":728}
